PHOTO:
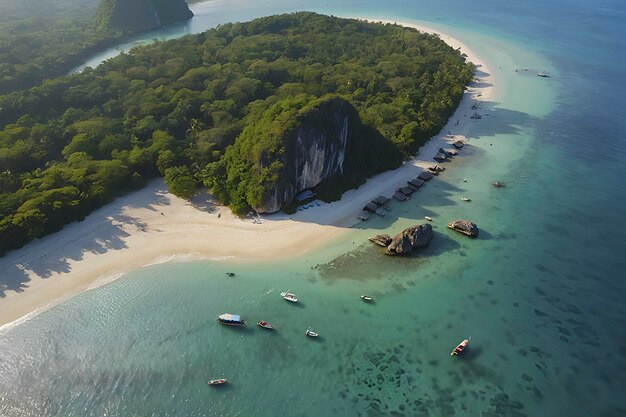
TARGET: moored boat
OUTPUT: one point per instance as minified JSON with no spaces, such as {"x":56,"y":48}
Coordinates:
{"x":366,"y":298}
{"x":466,"y":199}
{"x":289,"y":297}
{"x":265,"y":325}
{"x":217,"y":381}
{"x":231,"y":320}
{"x":430,"y":219}
{"x":309,"y":332}
{"x":461,"y":346}
{"x":543,"y":74}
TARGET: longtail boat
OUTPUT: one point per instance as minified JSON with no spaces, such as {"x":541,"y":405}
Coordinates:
{"x":461,"y":346}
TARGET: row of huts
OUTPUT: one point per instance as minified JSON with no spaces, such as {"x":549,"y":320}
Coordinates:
{"x":443,"y":154}
{"x":374,"y":207}
{"x":402,"y":193}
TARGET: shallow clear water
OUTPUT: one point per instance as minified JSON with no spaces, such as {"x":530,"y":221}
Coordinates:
{"x":540,"y":291}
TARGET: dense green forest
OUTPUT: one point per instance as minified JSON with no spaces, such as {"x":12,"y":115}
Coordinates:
{"x":40,"y":40}
{"x":43,"y":40}
{"x":175,"y":108}
{"x":140,"y":15}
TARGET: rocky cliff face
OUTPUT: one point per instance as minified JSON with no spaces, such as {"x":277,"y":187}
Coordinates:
{"x":316,"y":149}
{"x":141,"y":15}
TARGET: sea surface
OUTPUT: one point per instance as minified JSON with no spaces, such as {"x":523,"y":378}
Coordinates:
{"x":541,"y":291}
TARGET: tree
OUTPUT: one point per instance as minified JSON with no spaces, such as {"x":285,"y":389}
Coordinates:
{"x":180,"y":182}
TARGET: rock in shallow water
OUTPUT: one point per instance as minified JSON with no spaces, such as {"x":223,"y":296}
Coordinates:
{"x":464,"y":226}
{"x":409,"y":239}
{"x":381,"y":240}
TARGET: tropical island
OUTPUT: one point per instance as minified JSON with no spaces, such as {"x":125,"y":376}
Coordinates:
{"x":255,"y":111}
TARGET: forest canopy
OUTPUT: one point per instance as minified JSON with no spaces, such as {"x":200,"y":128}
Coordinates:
{"x":40,"y":40}
{"x":173,"y":109}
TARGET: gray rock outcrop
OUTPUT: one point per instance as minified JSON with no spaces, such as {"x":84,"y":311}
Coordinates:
{"x":409,"y":239}
{"x":381,"y":240}
{"x":464,"y":226}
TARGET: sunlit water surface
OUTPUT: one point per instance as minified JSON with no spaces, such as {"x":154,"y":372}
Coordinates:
{"x":540,"y":291}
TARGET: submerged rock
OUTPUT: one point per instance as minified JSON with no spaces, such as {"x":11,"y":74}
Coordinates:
{"x":464,"y":226}
{"x":410,"y":239}
{"x":381,"y":240}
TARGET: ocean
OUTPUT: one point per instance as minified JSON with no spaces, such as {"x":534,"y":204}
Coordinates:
{"x":540,"y":291}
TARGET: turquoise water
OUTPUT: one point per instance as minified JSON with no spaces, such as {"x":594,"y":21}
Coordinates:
{"x":540,"y":291}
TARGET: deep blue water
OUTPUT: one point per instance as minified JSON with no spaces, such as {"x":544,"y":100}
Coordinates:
{"x":541,"y":292}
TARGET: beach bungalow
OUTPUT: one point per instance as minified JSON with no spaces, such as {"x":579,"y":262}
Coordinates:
{"x":371,"y":206}
{"x":399,"y":196}
{"x":381,"y":200}
{"x":425,"y":175}
{"x":440,"y":157}
{"x":417,"y":182}
{"x":411,"y":186}
{"x":364,"y":215}
{"x":405,"y":190}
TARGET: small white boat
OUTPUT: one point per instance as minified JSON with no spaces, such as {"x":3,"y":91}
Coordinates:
{"x":231,"y":320}
{"x":461,"y":346}
{"x":265,"y":325}
{"x":289,"y":297}
{"x":466,"y":199}
{"x":366,"y":298}
{"x":310,"y":333}
{"x":430,"y":219}
{"x":543,"y":74}
{"x":217,"y":381}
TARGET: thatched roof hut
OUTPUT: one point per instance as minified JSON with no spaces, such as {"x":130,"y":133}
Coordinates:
{"x":440,"y":157}
{"x":458,"y":144}
{"x":412,"y":187}
{"x":371,"y":206}
{"x":417,"y":182}
{"x":380,"y":200}
{"x":405,"y":190}
{"x":399,"y":196}
{"x":425,"y":175}
{"x":364,"y":215}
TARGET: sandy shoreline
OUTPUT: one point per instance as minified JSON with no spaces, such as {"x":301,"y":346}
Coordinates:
{"x":151,"y":226}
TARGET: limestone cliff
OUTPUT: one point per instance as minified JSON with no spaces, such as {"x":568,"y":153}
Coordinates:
{"x":316,"y":150}
{"x":296,"y":144}
{"x":140,"y":15}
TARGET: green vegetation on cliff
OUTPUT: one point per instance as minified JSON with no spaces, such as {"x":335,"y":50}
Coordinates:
{"x":206,"y":107}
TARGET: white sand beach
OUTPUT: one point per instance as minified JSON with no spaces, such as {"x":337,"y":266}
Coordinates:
{"x":151,"y":226}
